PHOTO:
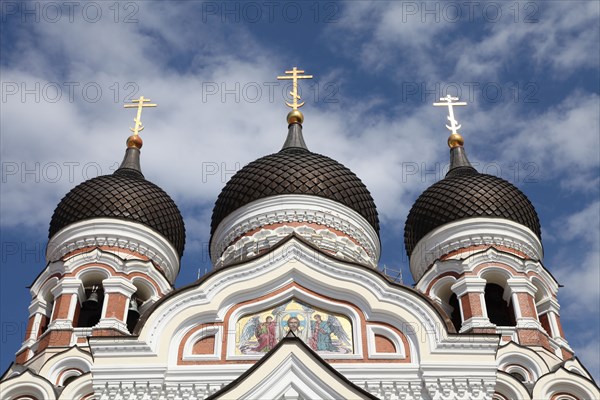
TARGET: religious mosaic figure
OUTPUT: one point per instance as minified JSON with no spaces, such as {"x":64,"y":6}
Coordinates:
{"x":322,"y":331}
{"x":293,"y":324}
{"x":265,"y":333}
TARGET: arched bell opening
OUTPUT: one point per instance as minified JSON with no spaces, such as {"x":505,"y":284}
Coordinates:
{"x":47,"y":316}
{"x":133,"y":313}
{"x":144,"y":291}
{"x":92,"y":303}
{"x":91,"y":307}
{"x":543,"y":305}
{"x":499,"y":311}
{"x":442,"y":292}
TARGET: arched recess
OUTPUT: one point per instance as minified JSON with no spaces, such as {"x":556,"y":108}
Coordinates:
{"x":26,"y":385}
{"x":66,"y":365}
{"x":543,"y":292}
{"x":79,"y":388}
{"x":189,"y":351}
{"x":563,"y":383}
{"x":146,"y":293}
{"x":513,"y":358}
{"x":509,"y":388}
{"x":542,"y":295}
{"x":564,"y":396}
{"x":68,"y":368}
{"x":395,"y":348}
{"x":498,"y":302}
{"x":575,"y":366}
{"x":519,"y":372}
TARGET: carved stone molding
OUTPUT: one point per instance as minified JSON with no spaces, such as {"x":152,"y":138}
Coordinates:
{"x":340,"y":246}
{"x":283,"y":209}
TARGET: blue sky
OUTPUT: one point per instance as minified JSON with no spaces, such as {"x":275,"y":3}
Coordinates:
{"x":529,"y":71}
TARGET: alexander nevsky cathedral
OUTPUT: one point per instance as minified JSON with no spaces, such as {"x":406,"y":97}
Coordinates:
{"x":295,"y":306}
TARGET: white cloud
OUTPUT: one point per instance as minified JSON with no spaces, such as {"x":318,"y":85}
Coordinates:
{"x":563,"y":141}
{"x":206,"y":131}
{"x":577,"y":266}
{"x":426,"y":38}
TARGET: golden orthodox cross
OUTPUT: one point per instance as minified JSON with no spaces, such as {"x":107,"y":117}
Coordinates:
{"x":139,"y":104}
{"x":294,"y":77}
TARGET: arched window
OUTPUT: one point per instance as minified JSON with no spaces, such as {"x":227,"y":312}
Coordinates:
{"x":69,"y":380}
{"x":499,"y":312}
{"x":518,"y":376}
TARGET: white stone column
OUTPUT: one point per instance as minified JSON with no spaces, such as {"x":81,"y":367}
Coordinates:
{"x":117,"y":292}
{"x":521,"y":291}
{"x":550,"y":308}
{"x":475,"y":315}
{"x":67,"y":293}
{"x":37,"y":310}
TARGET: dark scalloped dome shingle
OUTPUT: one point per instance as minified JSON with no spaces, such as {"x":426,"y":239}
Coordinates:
{"x":124,"y":195}
{"x":467,"y":194}
{"x":295,"y":171}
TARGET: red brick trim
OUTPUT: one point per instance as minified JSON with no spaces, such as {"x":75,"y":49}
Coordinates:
{"x":481,"y":247}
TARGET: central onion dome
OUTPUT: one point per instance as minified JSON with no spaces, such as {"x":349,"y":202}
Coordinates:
{"x":295,"y":170}
{"x":295,"y":190}
{"x":124,"y":195}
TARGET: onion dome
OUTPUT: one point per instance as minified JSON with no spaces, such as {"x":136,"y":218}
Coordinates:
{"x":295,"y":191}
{"x":125,"y":195}
{"x":466,"y":193}
{"x":295,"y":170}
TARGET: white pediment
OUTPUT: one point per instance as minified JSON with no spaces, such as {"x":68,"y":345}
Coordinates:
{"x":291,"y":371}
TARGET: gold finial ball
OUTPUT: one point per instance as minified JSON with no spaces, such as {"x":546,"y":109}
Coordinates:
{"x":455,"y":140}
{"x":134,"y":141}
{"x":295,"y":117}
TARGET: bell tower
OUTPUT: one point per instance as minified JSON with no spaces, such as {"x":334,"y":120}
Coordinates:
{"x":474,"y":242}
{"x":114,"y":249}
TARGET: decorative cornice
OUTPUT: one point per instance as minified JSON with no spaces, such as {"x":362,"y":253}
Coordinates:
{"x":472,"y":232}
{"x":520,"y":285}
{"x":118,"y":284}
{"x":69,"y":286}
{"x":454,"y":387}
{"x":295,"y":208}
{"x":115,"y":233}
{"x":547,"y":305}
{"x":468,"y":284}
{"x":340,"y":246}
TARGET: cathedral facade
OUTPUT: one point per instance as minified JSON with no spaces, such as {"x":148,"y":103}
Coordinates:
{"x":295,"y":306}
